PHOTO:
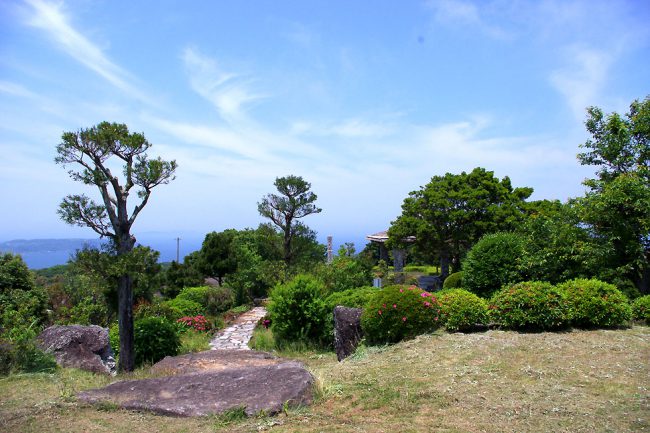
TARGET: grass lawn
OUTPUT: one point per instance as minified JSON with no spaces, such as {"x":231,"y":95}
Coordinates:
{"x":579,"y":381}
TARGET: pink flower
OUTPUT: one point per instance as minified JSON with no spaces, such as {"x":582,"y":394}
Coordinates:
{"x":380,"y":312}
{"x":426,"y":304}
{"x":401,"y":290}
{"x":403,"y":319}
{"x":394,"y":305}
{"x":425,"y":294}
{"x":435,"y":318}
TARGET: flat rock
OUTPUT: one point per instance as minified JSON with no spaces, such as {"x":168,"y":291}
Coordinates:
{"x":258,"y":389}
{"x":77,"y":346}
{"x":214,"y":360}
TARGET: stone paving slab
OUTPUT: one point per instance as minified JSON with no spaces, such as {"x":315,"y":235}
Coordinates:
{"x":237,"y":335}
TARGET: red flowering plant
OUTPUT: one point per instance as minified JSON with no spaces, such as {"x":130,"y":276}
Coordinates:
{"x":198,"y":323}
{"x":396,"y":313}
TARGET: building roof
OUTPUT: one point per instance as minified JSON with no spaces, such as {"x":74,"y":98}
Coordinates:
{"x":382,"y":237}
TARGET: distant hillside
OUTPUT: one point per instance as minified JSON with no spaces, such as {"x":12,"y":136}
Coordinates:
{"x":46,"y":245}
{"x":43,"y":253}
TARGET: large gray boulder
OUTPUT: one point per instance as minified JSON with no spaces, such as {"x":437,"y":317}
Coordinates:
{"x":77,"y":346}
{"x":347,"y":331}
{"x":257,"y":389}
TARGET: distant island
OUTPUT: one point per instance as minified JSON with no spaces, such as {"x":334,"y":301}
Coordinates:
{"x":43,"y":253}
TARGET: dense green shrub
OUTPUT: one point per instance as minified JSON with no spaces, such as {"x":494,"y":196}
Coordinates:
{"x":194,"y":294}
{"x":114,"y":338}
{"x":154,"y":338}
{"x":214,"y":300}
{"x":396,"y":313}
{"x":595,"y":303}
{"x":6,"y":357}
{"x":184,"y":307}
{"x":18,"y":349}
{"x":641,"y":309}
{"x":344,"y":273}
{"x":298,"y":311}
{"x":86,"y":312}
{"x":156,"y":308}
{"x":532,"y":305}
{"x":462,"y":310}
{"x":493,"y":262}
{"x":453,"y":281}
{"x":353,"y":298}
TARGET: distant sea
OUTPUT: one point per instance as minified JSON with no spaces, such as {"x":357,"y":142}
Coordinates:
{"x":44,"y":253}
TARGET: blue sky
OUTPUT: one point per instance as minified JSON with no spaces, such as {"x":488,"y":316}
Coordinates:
{"x":367,"y":100}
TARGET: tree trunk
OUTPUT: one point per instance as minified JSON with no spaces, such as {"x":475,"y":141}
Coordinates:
{"x":444,"y":264}
{"x":125,"y":308}
{"x":125,"y":320}
{"x":287,"y":247}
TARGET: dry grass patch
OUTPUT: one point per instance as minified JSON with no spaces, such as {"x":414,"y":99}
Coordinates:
{"x":580,"y":381}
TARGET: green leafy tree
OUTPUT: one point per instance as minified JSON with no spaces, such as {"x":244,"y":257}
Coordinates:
{"x":179,"y":275}
{"x":559,"y":247}
{"x":450,"y":213}
{"x":14,"y":273}
{"x":21,"y":301}
{"x":216,"y":257}
{"x":295,"y":201}
{"x":102,"y":269}
{"x":93,"y":152}
{"x":617,"y":205}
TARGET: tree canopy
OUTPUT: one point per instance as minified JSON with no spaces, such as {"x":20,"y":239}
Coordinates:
{"x":295,"y":201}
{"x":617,"y":206}
{"x":450,"y":213}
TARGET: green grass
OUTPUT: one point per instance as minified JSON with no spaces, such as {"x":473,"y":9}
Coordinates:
{"x":194,"y":341}
{"x":578,"y":381}
{"x":262,"y":340}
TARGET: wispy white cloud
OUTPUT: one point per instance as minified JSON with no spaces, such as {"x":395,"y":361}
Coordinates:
{"x":228,"y":92}
{"x":467,"y":14}
{"x":51,"y":18}
{"x":350,"y":128}
{"x":582,"y":78}
{"x":15,"y":89}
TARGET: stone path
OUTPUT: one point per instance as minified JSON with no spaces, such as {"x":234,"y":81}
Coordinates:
{"x":237,"y":335}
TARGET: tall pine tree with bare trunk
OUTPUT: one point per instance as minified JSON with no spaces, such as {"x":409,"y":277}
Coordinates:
{"x":295,"y":201}
{"x":95,"y":152}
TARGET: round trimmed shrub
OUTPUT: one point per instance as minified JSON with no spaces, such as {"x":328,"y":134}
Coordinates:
{"x":453,"y":281}
{"x":195,"y":294}
{"x":353,"y":298}
{"x":214,"y":300}
{"x":154,"y":338}
{"x":595,"y":303}
{"x":219,"y":300}
{"x":641,"y":309}
{"x":532,"y":306}
{"x":396,"y":313}
{"x":493,"y":263}
{"x":184,"y":307}
{"x":299,"y":313}
{"x":462,"y":310}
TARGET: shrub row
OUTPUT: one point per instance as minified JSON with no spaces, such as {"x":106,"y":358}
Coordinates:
{"x":301,"y":310}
